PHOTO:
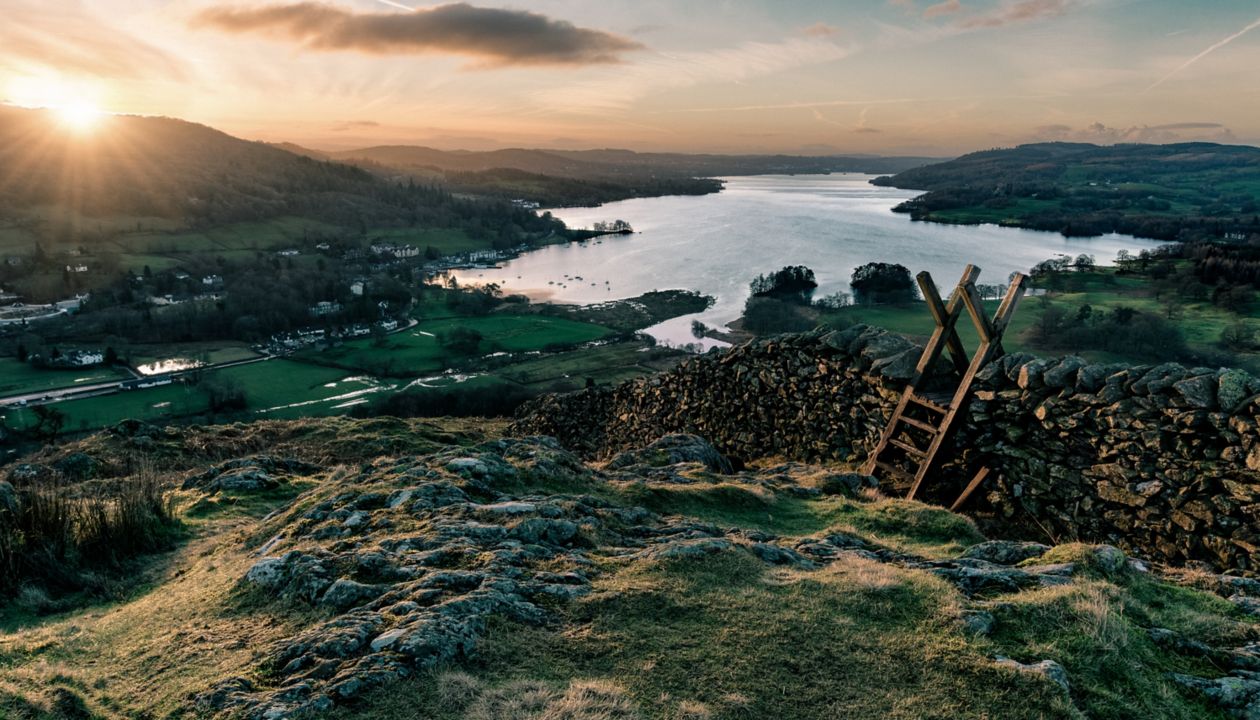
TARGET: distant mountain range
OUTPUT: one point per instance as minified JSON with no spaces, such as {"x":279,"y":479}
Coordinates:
{"x":612,"y":163}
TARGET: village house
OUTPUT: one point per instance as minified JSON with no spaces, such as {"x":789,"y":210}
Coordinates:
{"x":324,"y":307}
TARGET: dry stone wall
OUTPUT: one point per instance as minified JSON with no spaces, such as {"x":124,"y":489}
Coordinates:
{"x":1162,"y":460}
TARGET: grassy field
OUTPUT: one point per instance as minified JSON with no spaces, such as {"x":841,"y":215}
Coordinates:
{"x":1200,"y":323}
{"x":274,"y":388}
{"x":207,"y":352}
{"x":18,"y":377}
{"x":151,"y":405}
{"x":606,"y":365}
{"x":417,"y":351}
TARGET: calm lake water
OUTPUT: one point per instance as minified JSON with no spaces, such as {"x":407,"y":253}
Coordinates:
{"x":717,"y":243}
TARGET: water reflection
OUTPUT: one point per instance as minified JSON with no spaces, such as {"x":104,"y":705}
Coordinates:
{"x":716,"y":244}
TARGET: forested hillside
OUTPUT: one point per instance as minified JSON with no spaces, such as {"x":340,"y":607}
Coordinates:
{"x":1183,"y":191}
{"x":200,"y":177}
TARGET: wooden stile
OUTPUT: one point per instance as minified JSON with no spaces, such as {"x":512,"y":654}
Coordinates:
{"x":936,"y":414}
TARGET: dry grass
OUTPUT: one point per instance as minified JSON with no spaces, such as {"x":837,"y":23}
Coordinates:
{"x":150,"y":653}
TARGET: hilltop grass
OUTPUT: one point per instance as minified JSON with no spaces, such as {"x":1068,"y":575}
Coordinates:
{"x":726,"y":636}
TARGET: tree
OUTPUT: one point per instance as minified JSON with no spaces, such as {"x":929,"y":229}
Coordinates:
{"x":222,"y":393}
{"x":834,"y":301}
{"x":461,"y":341}
{"x":878,"y":283}
{"x":1084,"y":263}
{"x":21,"y":352}
{"x":794,"y":283}
{"x":49,"y":422}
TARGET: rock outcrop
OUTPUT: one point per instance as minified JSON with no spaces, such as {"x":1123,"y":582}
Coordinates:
{"x":1162,"y":461}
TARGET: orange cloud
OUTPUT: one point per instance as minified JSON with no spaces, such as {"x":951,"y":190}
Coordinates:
{"x":1018,"y":11}
{"x":70,"y":39}
{"x":948,"y":7}
{"x":497,"y":37}
{"x":821,"y":29}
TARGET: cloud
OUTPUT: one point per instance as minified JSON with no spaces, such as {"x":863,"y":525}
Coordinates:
{"x":1211,"y":49}
{"x":948,"y":7}
{"x":354,"y":125}
{"x":821,"y":29}
{"x":1165,"y":133}
{"x":72,"y":40}
{"x":615,"y":89}
{"x":495,"y":37}
{"x":867,"y":130}
{"x":1017,"y":11}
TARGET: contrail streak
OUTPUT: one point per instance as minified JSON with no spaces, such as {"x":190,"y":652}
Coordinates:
{"x":1204,"y":54}
{"x":393,"y":4}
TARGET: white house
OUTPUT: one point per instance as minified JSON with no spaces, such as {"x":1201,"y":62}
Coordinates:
{"x":324,"y":307}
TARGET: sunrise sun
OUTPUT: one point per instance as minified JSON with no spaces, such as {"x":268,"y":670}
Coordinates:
{"x":74,"y":105}
{"x":79,"y":116}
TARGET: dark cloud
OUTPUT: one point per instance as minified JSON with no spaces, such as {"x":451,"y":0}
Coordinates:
{"x":496,"y":37}
{"x":1018,"y":11}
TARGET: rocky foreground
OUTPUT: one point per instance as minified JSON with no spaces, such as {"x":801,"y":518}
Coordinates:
{"x":470,"y":576}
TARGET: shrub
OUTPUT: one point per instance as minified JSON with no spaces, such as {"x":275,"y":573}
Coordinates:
{"x":57,"y":533}
{"x":767,"y":316}
{"x":461,"y":341}
{"x":486,"y":401}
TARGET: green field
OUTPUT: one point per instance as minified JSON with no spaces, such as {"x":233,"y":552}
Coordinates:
{"x":17,"y":378}
{"x":207,"y":352}
{"x":153,"y":404}
{"x":606,"y":365}
{"x":273,"y":388}
{"x":417,"y":351}
{"x":1200,"y":323}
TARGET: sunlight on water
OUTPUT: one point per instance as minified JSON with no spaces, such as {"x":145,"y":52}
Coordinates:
{"x":168,"y":365}
{"x":717,"y":243}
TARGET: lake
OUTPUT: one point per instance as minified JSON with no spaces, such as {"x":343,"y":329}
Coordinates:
{"x":718,"y":243}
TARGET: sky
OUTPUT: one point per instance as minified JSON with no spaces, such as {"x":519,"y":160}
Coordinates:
{"x":904,"y":77}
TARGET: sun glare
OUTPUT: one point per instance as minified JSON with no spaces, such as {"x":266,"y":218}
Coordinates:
{"x":79,"y":116}
{"x":74,"y":105}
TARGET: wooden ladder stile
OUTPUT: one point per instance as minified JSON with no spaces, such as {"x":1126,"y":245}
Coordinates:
{"x":941,"y":417}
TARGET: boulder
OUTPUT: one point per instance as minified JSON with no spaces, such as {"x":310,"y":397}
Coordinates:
{"x":674,"y":449}
{"x":1005,"y":552}
{"x":1048,"y":669}
{"x":345,"y":594}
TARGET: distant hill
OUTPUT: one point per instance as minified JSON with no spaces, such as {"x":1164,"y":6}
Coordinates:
{"x":1182,"y":191}
{"x":612,"y":163}
{"x":162,"y":167}
{"x":591,"y":177}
